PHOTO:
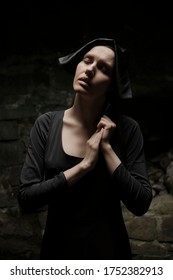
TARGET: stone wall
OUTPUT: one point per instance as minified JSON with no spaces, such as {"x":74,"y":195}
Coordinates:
{"x":31,"y":85}
{"x":151,"y":235}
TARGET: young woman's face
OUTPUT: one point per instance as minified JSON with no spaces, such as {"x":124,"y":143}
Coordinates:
{"x":93,"y":76}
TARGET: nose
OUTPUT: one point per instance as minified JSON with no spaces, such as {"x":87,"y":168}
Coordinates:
{"x":90,"y":71}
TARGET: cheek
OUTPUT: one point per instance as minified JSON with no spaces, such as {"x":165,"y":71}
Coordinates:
{"x":78,"y":71}
{"x":104,"y":84}
{"x":79,"y":67}
{"x":75,"y":79}
{"x":76,"y":74}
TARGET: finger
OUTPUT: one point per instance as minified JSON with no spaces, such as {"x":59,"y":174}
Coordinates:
{"x":98,"y":136}
{"x":101,"y":124}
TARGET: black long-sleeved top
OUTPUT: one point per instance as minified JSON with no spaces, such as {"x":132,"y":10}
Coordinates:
{"x":84,"y":221}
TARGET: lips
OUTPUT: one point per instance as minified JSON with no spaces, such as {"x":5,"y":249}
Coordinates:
{"x":84,"y":81}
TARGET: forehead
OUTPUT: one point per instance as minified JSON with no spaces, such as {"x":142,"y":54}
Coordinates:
{"x":102,"y":53}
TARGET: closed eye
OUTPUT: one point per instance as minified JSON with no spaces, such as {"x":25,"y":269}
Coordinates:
{"x":88,"y":59}
{"x":105,"y":68}
{"x":101,"y":65}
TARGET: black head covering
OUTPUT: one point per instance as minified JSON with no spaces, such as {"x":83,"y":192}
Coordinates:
{"x":69,"y":62}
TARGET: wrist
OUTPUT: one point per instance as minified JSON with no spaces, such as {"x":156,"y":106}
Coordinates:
{"x":106,"y":147}
{"x":85,"y":166}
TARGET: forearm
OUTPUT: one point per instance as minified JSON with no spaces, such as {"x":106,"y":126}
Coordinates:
{"x":111,"y":159}
{"x":75,"y":173}
{"x":35,"y":193}
{"x":133,"y":188}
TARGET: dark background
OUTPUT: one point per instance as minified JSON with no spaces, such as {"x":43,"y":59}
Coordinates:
{"x":147,"y":27}
{"x":144,"y":28}
{"x":31,"y":39}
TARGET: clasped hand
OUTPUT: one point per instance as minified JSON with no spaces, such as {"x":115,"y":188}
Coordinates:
{"x":99,"y":140}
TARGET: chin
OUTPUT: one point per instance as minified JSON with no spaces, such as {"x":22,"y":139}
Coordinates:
{"x":81,"y":89}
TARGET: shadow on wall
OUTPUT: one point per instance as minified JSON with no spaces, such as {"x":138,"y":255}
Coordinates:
{"x":155,"y":117}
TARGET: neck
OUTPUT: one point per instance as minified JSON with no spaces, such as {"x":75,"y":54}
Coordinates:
{"x":87,"y":113}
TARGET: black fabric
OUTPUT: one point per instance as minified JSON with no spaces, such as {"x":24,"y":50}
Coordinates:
{"x":84,"y":221}
{"x":70,"y":61}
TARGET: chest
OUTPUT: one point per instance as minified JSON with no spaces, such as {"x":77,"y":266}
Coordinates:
{"x":74,"y":141}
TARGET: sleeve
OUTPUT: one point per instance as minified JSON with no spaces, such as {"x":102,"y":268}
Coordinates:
{"x":131,"y":178}
{"x":34,"y":191}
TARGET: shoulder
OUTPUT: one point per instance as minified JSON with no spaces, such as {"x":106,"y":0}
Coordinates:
{"x":125,"y":122}
{"x":44,"y":122}
{"x":46,"y":118}
{"x":127,"y":126}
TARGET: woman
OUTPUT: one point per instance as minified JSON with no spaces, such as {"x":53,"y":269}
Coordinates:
{"x":84,"y":161}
